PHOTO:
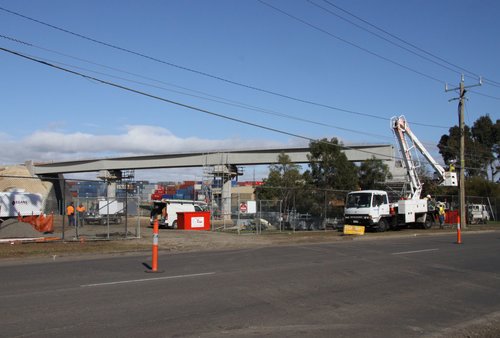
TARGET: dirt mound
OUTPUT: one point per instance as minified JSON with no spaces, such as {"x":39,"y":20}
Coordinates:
{"x":14,"y":229}
{"x":18,"y":177}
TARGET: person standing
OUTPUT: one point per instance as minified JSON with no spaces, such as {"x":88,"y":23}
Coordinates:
{"x":441,"y":213}
{"x":70,"y":212}
{"x":80,"y":212}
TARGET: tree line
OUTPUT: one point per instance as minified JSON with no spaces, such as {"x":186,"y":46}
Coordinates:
{"x":328,"y":177}
{"x":330,"y":174}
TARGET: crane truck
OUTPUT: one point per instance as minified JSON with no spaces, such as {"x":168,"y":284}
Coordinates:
{"x":372,"y":208}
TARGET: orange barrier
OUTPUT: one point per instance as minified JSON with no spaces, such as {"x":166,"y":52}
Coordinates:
{"x":41,"y":223}
{"x":451,"y":217}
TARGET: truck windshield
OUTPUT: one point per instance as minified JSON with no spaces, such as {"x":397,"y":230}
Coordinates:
{"x":359,"y":200}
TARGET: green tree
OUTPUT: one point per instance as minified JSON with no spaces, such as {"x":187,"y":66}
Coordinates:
{"x":485,"y":133}
{"x":481,"y":147}
{"x":283,"y":181}
{"x":373,"y":173}
{"x":478,"y":186}
{"x":329,"y":167}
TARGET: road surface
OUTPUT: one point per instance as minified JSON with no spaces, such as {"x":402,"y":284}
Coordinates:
{"x":395,"y":287}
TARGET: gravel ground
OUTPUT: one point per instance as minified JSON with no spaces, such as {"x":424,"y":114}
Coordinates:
{"x":13,"y":229}
{"x":93,"y":239}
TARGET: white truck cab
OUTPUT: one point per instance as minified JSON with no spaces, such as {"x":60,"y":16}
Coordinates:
{"x":368,"y":208}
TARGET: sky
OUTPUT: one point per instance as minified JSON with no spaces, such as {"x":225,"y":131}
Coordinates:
{"x":289,"y":71}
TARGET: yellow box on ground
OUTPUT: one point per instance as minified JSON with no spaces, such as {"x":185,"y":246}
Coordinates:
{"x":354,"y":230}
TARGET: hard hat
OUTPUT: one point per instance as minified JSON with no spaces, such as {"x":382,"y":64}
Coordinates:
{"x":428,"y":196}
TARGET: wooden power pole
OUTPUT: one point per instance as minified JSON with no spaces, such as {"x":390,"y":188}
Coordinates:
{"x":461,"y":123}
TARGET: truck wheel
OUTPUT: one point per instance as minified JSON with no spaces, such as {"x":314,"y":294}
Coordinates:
{"x":428,"y":222}
{"x":382,"y":225}
{"x":174,"y":225}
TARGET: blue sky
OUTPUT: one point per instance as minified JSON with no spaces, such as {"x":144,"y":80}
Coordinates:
{"x":309,"y":55}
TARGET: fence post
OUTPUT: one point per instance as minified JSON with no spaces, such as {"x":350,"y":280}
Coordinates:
{"x":107,"y":213}
{"x":238,"y":211}
{"x":139,"y":214}
{"x":63,"y":208}
{"x":326,"y":208}
{"x":281,"y":215}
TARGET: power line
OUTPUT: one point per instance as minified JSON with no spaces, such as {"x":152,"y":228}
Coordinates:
{"x":380,"y":36}
{"x":215,"y":76}
{"x":218,"y":99}
{"x":398,"y":38}
{"x":351,"y":43}
{"x":485,"y":95}
{"x":193,"y":107}
{"x":239,"y":105}
{"x":180,"y":104}
{"x":462,"y":69}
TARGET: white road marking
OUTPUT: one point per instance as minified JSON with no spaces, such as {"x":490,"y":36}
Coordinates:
{"x":411,"y":252}
{"x":147,"y":279}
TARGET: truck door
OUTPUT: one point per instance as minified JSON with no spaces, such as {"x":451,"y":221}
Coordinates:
{"x":384,"y":207}
{"x":380,"y":206}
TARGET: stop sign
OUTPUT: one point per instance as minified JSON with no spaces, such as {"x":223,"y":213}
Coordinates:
{"x":243,"y":207}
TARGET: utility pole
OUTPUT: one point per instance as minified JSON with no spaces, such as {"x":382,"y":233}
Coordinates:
{"x":461,"y":103}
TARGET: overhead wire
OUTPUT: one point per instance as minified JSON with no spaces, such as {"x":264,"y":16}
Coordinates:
{"x":218,"y":99}
{"x":462,"y":69}
{"x":223,"y":116}
{"x":485,"y":95}
{"x":400,"y":39}
{"x":289,"y":97}
{"x":187,"y":106}
{"x":351,"y":43}
{"x":245,"y":106}
{"x":242,"y":105}
{"x":380,"y":36}
{"x":230,"y":103}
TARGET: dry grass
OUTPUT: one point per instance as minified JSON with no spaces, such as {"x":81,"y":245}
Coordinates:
{"x":59,"y":248}
{"x":181,"y":241}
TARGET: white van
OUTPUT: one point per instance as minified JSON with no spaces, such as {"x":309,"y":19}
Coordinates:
{"x":477,"y":213}
{"x":165,"y":211}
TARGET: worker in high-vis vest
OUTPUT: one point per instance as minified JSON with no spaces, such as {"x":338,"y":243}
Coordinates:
{"x":441,"y":214}
{"x":70,"y":212}
{"x":80,"y":212}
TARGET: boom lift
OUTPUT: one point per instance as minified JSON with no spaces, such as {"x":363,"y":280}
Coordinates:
{"x":371,"y":208}
{"x":402,"y":130}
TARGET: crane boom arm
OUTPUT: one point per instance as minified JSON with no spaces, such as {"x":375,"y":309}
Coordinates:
{"x":401,"y":128}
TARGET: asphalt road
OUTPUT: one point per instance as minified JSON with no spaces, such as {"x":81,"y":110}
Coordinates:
{"x":398,"y":287}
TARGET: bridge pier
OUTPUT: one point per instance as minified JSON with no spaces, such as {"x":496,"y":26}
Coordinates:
{"x":222,"y":193}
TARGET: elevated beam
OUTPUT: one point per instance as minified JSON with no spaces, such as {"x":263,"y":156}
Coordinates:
{"x":237,"y":157}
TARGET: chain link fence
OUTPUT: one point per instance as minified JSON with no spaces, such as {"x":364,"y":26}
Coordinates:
{"x":491,"y":205}
{"x":323,"y":210}
{"x":26,"y":199}
{"x":99,"y":216}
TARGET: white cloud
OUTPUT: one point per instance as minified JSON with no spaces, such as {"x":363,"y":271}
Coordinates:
{"x":136,"y":140}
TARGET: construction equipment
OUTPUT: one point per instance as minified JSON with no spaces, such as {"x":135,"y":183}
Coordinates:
{"x":372,"y":208}
{"x":19,"y":203}
{"x":105,"y":211}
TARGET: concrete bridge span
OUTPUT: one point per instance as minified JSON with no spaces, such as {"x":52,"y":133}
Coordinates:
{"x":356,"y":153}
{"x":224,"y":163}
